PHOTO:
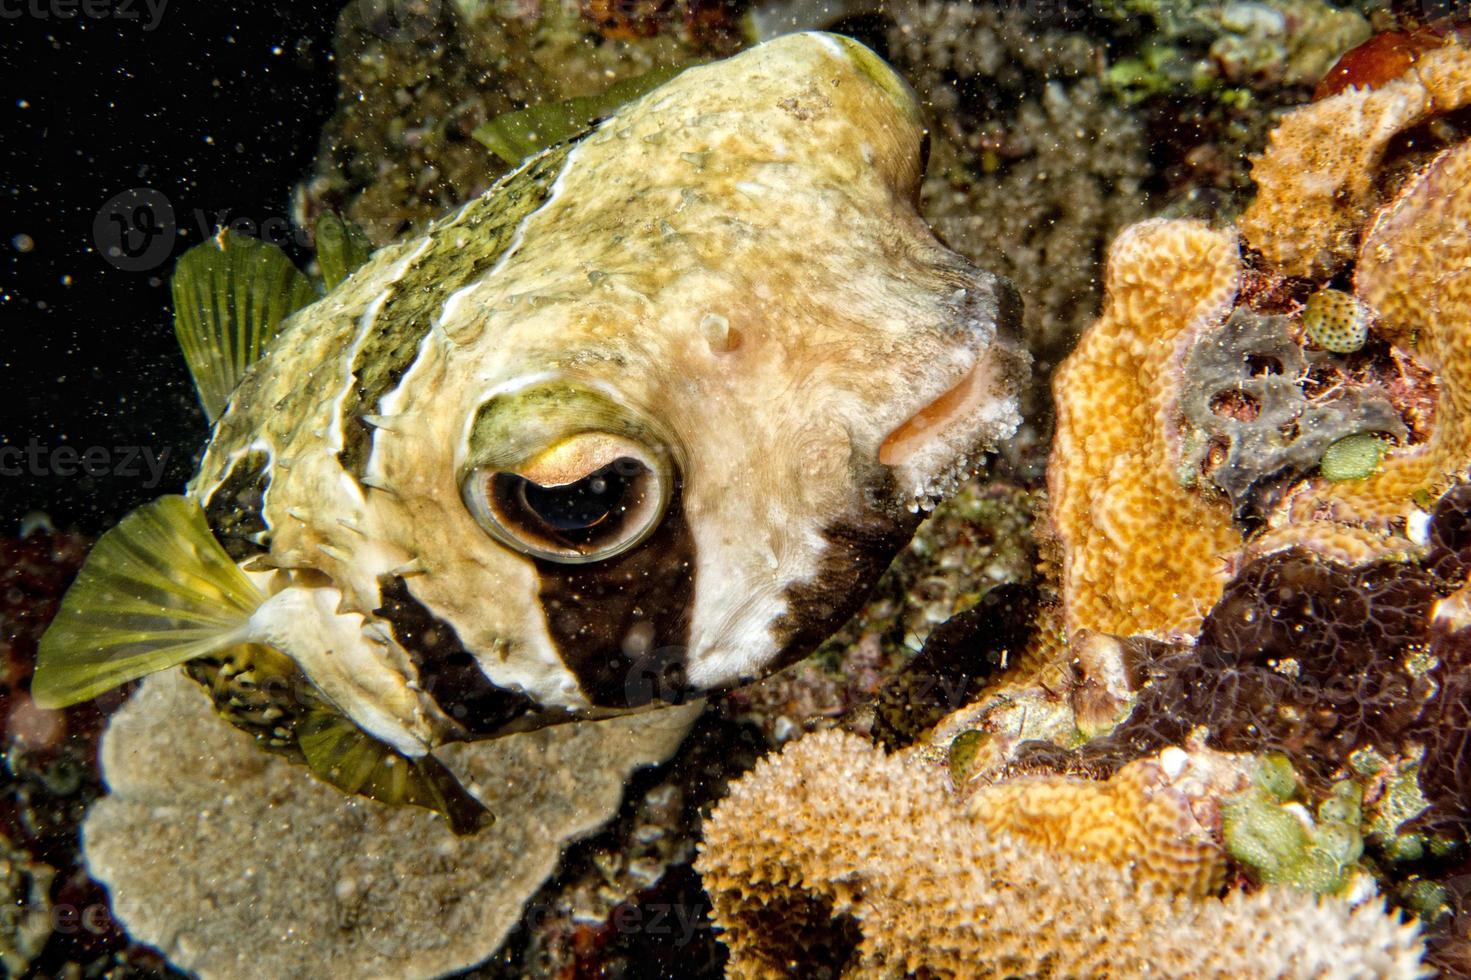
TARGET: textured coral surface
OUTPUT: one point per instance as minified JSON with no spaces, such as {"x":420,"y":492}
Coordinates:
{"x":1318,"y":178}
{"x":1147,"y":816}
{"x":840,"y":858}
{"x":1142,"y":553}
{"x":1415,"y":273}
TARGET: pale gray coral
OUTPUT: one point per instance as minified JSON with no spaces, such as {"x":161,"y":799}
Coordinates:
{"x":236,"y":863}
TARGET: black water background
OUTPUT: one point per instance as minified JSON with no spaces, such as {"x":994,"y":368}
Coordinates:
{"x":218,"y":108}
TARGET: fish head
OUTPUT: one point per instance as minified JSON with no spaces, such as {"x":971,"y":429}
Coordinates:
{"x":672,"y":439}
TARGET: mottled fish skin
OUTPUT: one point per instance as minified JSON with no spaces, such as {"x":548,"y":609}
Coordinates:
{"x":736,"y":258}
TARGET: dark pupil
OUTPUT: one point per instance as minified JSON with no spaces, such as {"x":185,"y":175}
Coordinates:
{"x":592,"y":508}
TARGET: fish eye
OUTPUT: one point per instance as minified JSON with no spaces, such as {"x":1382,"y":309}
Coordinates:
{"x":588,"y":499}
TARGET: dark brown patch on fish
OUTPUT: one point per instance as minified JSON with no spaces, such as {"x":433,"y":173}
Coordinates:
{"x":448,"y":673}
{"x":622,"y":625}
{"x":860,"y":548}
{"x":235,"y":511}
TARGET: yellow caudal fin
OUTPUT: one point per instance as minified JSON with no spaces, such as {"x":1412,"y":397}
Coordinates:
{"x":156,"y":590}
{"x":343,"y":755}
{"x":230,"y":295}
{"x":341,"y":248}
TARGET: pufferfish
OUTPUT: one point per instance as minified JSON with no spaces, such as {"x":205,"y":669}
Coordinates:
{"x":645,"y":420}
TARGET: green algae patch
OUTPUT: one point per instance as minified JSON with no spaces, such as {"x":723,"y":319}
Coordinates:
{"x":962,"y":755}
{"x":1281,"y":844}
{"x":1352,"y":458}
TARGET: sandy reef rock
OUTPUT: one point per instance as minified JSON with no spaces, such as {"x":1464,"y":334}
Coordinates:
{"x":239,"y":864}
{"x":835,"y":854}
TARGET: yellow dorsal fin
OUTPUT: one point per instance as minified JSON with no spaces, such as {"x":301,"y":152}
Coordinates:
{"x":341,"y":248}
{"x":514,"y":136}
{"x":342,"y":754}
{"x":156,"y":590}
{"x":230,"y":295}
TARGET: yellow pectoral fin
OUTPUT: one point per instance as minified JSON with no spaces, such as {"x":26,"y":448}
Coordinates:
{"x":156,"y":590}
{"x":343,"y":755}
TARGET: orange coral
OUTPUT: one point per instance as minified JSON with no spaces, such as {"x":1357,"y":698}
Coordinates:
{"x":1142,"y":554}
{"x":1345,"y":544}
{"x":1144,"y":551}
{"x":834,"y":855}
{"x":1317,"y":180}
{"x":1156,"y":815}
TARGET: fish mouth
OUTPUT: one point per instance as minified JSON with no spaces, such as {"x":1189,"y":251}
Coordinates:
{"x":937,"y":447}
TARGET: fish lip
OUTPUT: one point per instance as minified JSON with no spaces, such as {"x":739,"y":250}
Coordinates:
{"x":936,"y":447}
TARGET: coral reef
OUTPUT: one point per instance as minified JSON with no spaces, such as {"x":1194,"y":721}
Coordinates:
{"x":1147,"y":544}
{"x":1321,"y":175}
{"x":842,"y":858}
{"x":398,"y":153}
{"x":364,"y":888}
{"x":1033,"y":167}
{"x":1230,"y":48}
{"x":1157,"y":816}
{"x":1291,"y":463}
{"x":1352,"y":677}
{"x":1247,"y":422}
{"x":1415,"y":273}
{"x":1320,"y":661}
